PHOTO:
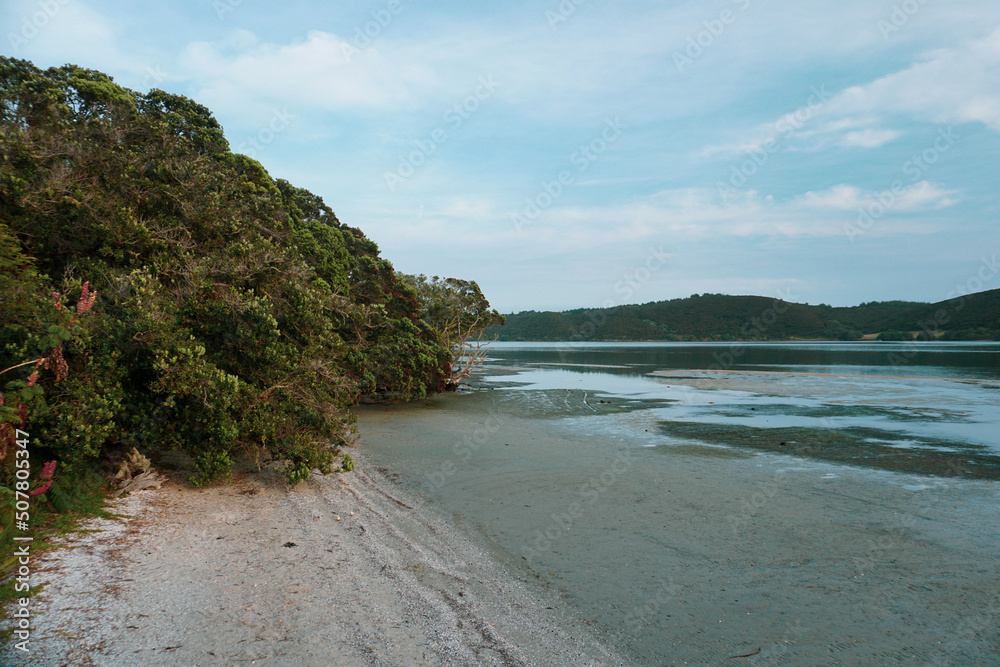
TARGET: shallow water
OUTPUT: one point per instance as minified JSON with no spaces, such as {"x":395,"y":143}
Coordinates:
{"x":939,"y":413}
{"x":824,"y":503}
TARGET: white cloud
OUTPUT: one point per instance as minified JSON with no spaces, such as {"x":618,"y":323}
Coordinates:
{"x":954,"y":85}
{"x":322,"y":71}
{"x":868,"y":138}
{"x":919,"y":196}
{"x":698,"y":214}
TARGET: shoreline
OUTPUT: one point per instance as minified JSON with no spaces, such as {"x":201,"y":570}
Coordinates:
{"x":681,"y":552}
{"x":345,"y":570}
{"x":687,"y":553}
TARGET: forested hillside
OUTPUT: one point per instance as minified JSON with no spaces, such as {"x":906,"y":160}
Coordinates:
{"x":721,"y":317}
{"x":161,"y":291}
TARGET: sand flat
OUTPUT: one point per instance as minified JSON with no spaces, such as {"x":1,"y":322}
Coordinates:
{"x":260,"y":573}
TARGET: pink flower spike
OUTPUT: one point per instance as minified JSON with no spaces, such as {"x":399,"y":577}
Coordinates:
{"x":40,"y":490}
{"x":48,"y":470}
{"x":82,"y":305}
{"x":87,"y":299}
{"x":33,"y":378}
{"x":56,"y":301}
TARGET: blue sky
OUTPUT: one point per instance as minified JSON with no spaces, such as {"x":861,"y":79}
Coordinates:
{"x":586,"y":153}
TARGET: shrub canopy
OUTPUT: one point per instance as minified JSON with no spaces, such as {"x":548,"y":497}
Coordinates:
{"x":235,"y":312}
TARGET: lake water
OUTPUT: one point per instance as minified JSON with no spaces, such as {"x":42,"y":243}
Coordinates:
{"x":815,"y":503}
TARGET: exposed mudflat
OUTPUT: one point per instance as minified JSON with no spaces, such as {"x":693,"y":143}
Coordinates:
{"x":684,"y":551}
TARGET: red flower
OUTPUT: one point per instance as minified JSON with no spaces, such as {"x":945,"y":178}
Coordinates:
{"x":41,"y":489}
{"x":87,"y":299}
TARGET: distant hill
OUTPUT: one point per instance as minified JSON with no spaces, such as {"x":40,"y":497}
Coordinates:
{"x":722,"y":317}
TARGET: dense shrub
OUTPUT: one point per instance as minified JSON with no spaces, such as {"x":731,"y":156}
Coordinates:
{"x":235,"y":313}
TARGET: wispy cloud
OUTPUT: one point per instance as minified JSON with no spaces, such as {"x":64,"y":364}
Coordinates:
{"x":701,"y":215}
{"x":869,"y":138}
{"x":809,"y":111}
{"x":953,"y":85}
{"x":956,"y":85}
{"x":917,"y":197}
{"x":322,"y":71}
{"x":950,"y":85}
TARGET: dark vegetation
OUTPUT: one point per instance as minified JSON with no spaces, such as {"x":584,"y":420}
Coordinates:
{"x":159,"y":291}
{"x":721,"y":317}
{"x":459,"y":312}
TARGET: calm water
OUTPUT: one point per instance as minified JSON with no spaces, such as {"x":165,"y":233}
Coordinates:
{"x":824,"y":503}
{"x":858,"y":403}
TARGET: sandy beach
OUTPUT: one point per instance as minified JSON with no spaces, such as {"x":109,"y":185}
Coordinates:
{"x":339,"y":570}
{"x":464,"y":538}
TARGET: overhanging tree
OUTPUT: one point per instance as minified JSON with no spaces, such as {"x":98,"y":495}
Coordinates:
{"x":460,"y":314}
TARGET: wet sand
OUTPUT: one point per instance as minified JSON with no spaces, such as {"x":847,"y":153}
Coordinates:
{"x":694,"y":554}
{"x":483,"y":536}
{"x":337,"y":571}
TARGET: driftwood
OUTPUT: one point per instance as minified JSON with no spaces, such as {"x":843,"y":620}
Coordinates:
{"x":135,"y":473}
{"x":469,"y":356}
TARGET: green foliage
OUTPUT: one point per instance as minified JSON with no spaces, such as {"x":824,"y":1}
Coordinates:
{"x":212,"y":465}
{"x":237,"y":315}
{"x":459,"y":314}
{"x":838,"y":331}
{"x":455,"y":307}
{"x":977,"y":333}
{"x":720,"y":317}
{"x":895,"y":336}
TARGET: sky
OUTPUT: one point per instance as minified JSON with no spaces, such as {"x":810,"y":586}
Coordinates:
{"x":587,"y":153}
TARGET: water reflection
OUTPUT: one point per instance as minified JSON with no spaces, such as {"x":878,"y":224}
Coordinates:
{"x":845,"y":403}
{"x":955,"y":359}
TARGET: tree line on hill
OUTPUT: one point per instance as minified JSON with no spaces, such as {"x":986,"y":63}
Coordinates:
{"x":718,"y":317}
{"x":161,"y":291}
